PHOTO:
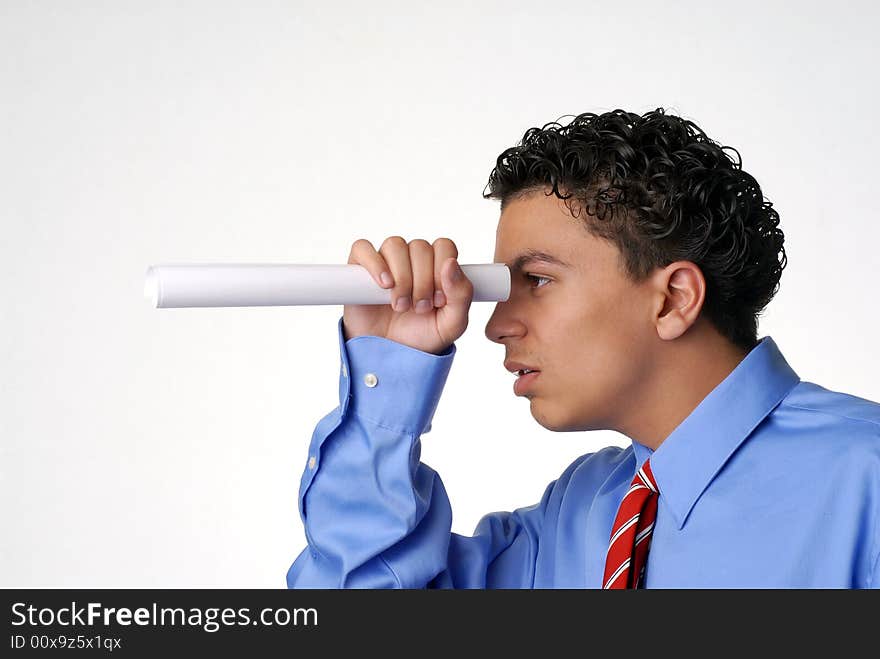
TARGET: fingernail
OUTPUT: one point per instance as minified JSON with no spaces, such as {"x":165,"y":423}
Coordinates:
{"x":456,"y":272}
{"x":422,"y":306}
{"x":402,"y":304}
{"x":386,"y":279}
{"x":439,"y":299}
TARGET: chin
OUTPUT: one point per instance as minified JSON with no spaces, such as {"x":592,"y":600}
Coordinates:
{"x":555,"y":423}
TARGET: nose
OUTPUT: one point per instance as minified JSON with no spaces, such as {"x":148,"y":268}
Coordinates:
{"x":503,"y":323}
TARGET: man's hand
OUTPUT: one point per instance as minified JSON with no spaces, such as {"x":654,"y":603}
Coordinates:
{"x":417,"y":270}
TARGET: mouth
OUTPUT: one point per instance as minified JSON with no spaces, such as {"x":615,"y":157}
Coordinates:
{"x":525,"y":379}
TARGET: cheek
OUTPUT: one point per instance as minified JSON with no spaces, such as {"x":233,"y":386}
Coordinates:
{"x":605,"y":348}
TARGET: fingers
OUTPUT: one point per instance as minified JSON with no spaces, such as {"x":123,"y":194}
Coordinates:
{"x":421,"y":256}
{"x":363,"y":253}
{"x":396,"y":253}
{"x":415,"y":270}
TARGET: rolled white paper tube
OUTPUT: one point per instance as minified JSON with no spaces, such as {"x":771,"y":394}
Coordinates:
{"x":262,"y":285}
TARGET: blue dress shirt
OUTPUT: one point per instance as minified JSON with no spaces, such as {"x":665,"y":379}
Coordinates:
{"x":769,"y":483}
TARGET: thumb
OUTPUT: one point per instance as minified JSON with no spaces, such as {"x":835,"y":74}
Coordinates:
{"x":456,"y":286}
{"x":452,"y":317}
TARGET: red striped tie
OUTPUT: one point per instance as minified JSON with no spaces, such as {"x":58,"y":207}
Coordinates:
{"x":631,"y":534}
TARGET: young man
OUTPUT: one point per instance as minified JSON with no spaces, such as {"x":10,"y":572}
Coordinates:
{"x":641,"y":255}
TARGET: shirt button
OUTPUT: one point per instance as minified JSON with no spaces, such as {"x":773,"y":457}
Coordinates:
{"x":371,"y":380}
{"x":344,"y":373}
{"x":312,"y":462}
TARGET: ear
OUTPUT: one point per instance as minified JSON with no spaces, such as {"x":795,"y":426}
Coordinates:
{"x":680,"y":290}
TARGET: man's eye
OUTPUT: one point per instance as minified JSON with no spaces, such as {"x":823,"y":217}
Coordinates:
{"x":537,"y":277}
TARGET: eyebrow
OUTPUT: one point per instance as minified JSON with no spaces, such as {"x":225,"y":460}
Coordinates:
{"x":536,"y":255}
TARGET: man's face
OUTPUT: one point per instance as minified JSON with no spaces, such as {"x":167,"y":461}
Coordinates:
{"x":586,"y":327}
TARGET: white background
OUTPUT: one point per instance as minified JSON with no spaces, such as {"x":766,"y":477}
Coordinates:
{"x":164,"y":448}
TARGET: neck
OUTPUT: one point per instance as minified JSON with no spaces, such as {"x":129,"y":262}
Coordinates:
{"x":685,"y":371}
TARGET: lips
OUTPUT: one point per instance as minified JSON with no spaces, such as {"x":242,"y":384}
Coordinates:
{"x":518,"y":367}
{"x":524,"y":382}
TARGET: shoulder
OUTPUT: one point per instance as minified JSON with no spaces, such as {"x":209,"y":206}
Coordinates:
{"x":821,"y":408}
{"x":835,"y":428}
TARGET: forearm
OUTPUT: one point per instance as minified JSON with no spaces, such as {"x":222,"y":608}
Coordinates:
{"x":374,"y":516}
{"x":365,"y":499}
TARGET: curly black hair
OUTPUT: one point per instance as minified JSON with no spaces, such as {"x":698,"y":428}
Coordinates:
{"x":661,"y":191}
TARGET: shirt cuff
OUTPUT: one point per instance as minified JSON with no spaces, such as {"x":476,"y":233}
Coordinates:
{"x":391,"y":384}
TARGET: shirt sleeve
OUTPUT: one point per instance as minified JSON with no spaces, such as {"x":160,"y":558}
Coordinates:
{"x":375,"y":516}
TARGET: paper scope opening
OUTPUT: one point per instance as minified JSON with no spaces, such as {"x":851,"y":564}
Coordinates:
{"x":151,"y":287}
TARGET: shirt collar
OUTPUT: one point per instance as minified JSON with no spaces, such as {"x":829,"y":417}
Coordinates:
{"x":688,"y":459}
